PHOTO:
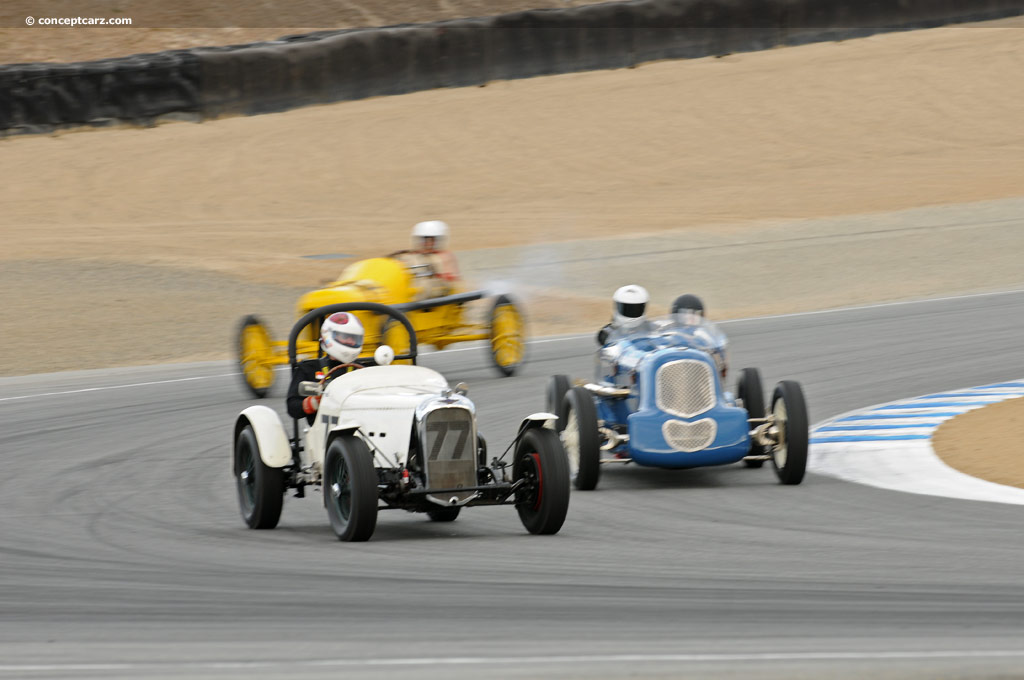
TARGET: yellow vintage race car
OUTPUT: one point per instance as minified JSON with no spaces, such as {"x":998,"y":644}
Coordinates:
{"x":402,"y":280}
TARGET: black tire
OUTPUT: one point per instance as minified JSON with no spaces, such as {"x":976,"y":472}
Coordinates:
{"x":789,"y":456}
{"x":440,"y":514}
{"x":555,"y":398}
{"x":750,"y":392}
{"x":260,"y":488}
{"x":543,"y":501}
{"x":257,"y":375}
{"x":581,"y":439}
{"x":350,"y":488}
{"x":506,"y":326}
{"x":481,"y":450}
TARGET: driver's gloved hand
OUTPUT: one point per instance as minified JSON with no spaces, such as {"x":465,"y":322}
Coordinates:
{"x":310,"y":404}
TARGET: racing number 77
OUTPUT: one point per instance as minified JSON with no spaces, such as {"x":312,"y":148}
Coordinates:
{"x":440,"y":430}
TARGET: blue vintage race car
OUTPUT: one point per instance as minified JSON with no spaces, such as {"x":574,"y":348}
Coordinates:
{"x":659,"y":400}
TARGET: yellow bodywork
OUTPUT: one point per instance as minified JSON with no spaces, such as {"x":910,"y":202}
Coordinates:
{"x":387,"y":281}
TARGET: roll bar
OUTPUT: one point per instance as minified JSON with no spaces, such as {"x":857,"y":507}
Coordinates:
{"x":373,"y":307}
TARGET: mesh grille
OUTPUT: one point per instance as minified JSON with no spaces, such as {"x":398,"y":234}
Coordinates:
{"x":685,"y":387}
{"x":683,"y":436}
{"x":449,"y":450}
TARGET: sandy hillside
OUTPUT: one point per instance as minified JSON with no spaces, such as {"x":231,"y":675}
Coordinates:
{"x":159,"y":25}
{"x":883,"y":123}
{"x":986,"y":443}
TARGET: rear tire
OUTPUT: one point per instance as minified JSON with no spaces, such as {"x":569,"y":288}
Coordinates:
{"x":260,"y":488}
{"x":581,"y":440}
{"x":789,"y":456}
{"x":543,"y":501}
{"x":350,"y":488}
{"x":555,"y":401}
{"x":395,"y":335}
{"x":750,"y":392}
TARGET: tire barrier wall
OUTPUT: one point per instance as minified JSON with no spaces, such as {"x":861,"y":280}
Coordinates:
{"x":139,"y":88}
{"x":354,"y":64}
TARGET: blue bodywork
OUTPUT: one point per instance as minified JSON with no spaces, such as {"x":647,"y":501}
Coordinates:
{"x":632,"y":360}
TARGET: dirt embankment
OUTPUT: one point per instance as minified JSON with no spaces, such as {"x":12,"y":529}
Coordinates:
{"x":126,"y":220}
{"x":986,"y":443}
{"x":160,"y":25}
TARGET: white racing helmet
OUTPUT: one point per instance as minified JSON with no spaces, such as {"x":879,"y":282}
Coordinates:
{"x":435,"y":229}
{"x":341,"y":337}
{"x":629,"y":307}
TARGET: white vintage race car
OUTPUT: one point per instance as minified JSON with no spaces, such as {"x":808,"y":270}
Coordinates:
{"x":394,"y":436}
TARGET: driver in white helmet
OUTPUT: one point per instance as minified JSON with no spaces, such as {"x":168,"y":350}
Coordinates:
{"x":629,"y":312}
{"x":429,"y":244}
{"x":341,"y":338}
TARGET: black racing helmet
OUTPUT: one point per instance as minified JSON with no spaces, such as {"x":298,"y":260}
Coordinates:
{"x":688,"y":303}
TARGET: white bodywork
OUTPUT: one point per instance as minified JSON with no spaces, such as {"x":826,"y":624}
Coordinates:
{"x":270,"y":435}
{"x":379,"y":401}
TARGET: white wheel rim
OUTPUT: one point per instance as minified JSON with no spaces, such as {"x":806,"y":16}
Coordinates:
{"x":571,"y":442}
{"x":781,"y":453}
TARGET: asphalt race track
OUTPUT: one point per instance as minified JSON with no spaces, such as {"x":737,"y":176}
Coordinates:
{"x":122,"y":553}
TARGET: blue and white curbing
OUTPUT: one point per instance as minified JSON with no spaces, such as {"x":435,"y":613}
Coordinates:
{"x":889,"y":445}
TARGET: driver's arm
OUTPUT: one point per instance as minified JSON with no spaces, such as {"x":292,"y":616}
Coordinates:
{"x":305,"y":370}
{"x":449,"y":267}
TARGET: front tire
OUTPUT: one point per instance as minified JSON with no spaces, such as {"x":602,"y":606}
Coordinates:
{"x":581,"y":439}
{"x":508,"y":336}
{"x":543,"y":500}
{"x":750,"y":392}
{"x":350,"y":488}
{"x":260,"y":488}
{"x":789,"y":456}
{"x":255,"y":356}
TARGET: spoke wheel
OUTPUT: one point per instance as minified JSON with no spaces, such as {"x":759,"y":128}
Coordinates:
{"x":255,"y":356}
{"x":260,"y":488}
{"x":789,"y":412}
{"x":350,"y":488}
{"x":543,"y":499}
{"x":508,"y":336}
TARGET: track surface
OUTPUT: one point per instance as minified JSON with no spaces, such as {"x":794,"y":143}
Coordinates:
{"x":122,"y":553}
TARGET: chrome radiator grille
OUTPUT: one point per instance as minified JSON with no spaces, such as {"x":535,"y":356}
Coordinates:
{"x":688,"y":437}
{"x":685,"y":388}
{"x":449,"y":450}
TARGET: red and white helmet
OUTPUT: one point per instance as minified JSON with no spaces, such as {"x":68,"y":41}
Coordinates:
{"x":341,"y":337}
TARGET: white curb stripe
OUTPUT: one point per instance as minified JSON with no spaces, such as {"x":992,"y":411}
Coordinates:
{"x":886,"y":447}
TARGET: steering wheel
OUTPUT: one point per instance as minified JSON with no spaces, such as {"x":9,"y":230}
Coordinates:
{"x":330,"y":372}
